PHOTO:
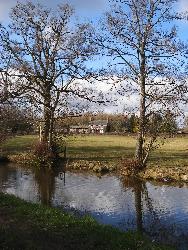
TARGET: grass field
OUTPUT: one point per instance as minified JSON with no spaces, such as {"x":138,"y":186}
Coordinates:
{"x":110,"y":147}
{"x":101,"y":147}
{"x":174,"y":152}
{"x":19,"y":144}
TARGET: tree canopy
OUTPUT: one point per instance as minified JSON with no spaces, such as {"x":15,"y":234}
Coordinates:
{"x":147,"y":57}
{"x":47,"y":56}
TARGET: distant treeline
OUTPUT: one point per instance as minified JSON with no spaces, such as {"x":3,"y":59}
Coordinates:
{"x":16,"y":120}
{"x":120,"y":123}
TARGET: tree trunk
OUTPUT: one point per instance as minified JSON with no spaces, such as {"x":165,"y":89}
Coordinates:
{"x":140,"y":141}
{"x":51,"y":129}
{"x":139,"y":154}
{"x":46,"y":129}
{"x":47,"y":117}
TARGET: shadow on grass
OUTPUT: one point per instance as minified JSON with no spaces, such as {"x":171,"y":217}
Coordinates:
{"x":100,"y":153}
{"x":104,"y":148}
{"x":168,"y":155}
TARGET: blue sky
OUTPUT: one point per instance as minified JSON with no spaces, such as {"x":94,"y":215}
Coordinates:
{"x":88,"y":9}
{"x":85,"y":8}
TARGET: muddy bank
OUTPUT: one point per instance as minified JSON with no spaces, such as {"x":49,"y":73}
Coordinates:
{"x":159,"y":173}
{"x":95,"y":166}
{"x":165,"y":173}
{"x":123,"y":167}
{"x":129,"y":167}
{"x":70,"y":164}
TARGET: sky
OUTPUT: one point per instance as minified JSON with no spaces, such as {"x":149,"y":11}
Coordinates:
{"x":85,"y":8}
{"x":88,"y":9}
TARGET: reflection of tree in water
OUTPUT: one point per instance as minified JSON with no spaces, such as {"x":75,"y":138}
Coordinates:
{"x":138,"y":188}
{"x":45,"y":178}
{"x":148,"y":217}
{"x":4,"y":173}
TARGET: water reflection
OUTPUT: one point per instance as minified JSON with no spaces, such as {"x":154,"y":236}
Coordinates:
{"x":46,"y":185}
{"x":160,"y":211}
{"x":45,"y":181}
{"x":162,"y":219}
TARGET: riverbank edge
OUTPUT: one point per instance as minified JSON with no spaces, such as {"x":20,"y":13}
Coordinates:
{"x":25,"y":225}
{"x":158,"y":173}
{"x":165,"y":174}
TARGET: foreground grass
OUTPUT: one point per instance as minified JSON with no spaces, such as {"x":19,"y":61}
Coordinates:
{"x":30,"y":226}
{"x":110,"y":147}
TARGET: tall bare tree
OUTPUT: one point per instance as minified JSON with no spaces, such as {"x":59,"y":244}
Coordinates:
{"x":143,"y":47}
{"x":48,"y":55}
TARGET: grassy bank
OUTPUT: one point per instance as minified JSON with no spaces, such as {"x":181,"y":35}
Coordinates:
{"x":29,"y":226}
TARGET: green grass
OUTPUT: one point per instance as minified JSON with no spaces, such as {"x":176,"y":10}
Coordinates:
{"x":101,"y":147}
{"x":173,"y":153}
{"x":30,"y":226}
{"x":19,"y":144}
{"x":110,"y":147}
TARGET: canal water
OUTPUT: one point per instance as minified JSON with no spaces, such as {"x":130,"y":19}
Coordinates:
{"x":158,"y":210}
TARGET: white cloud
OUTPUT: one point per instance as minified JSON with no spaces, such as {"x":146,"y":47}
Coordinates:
{"x":183,"y":5}
{"x":89,"y":6}
{"x":5,"y":7}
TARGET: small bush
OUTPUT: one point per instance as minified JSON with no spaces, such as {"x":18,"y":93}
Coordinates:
{"x":129,"y":167}
{"x":40,"y":149}
{"x":42,"y":155}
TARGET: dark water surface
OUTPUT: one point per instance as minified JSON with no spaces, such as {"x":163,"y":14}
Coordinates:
{"x":159,"y":210}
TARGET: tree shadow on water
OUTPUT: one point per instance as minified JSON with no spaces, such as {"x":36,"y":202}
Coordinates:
{"x":151,"y":219}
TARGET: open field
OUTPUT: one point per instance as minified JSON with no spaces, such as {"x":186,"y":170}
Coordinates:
{"x":19,"y":144}
{"x":110,"y":147}
{"x":174,"y":152}
{"x":100,"y":147}
{"x":30,"y":226}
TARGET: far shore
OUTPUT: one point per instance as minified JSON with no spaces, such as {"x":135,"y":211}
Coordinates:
{"x":110,"y":153}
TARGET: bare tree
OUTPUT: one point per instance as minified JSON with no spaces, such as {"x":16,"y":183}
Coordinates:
{"x":143,"y":47}
{"x":48,"y":55}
